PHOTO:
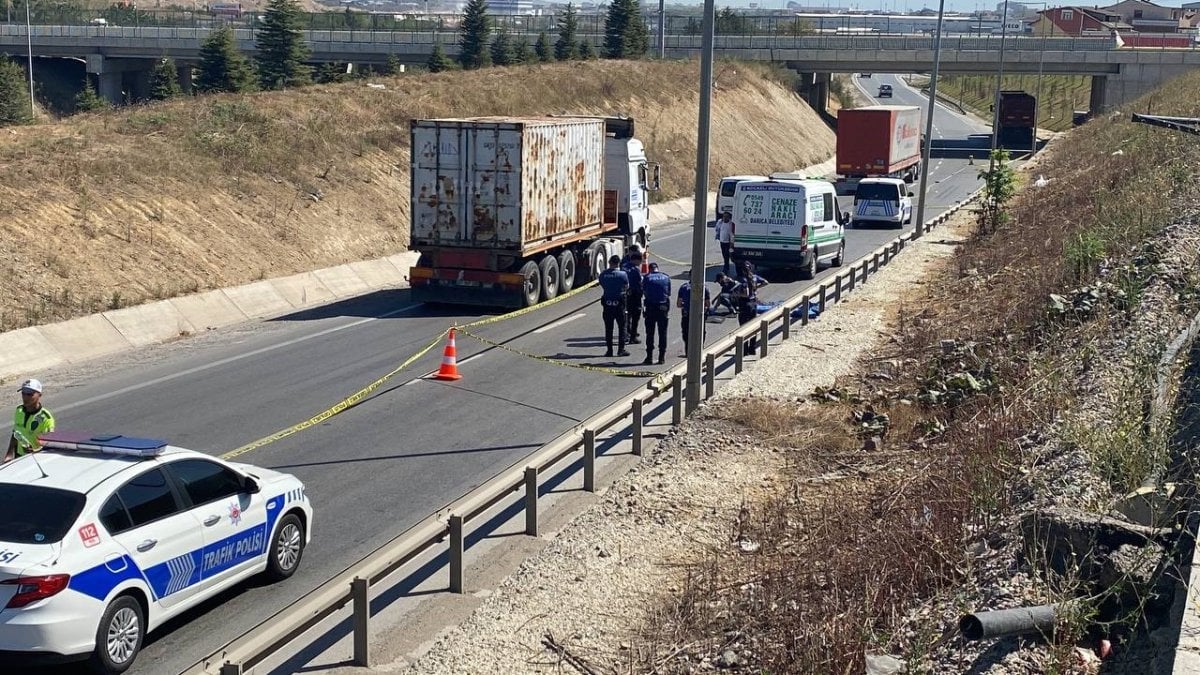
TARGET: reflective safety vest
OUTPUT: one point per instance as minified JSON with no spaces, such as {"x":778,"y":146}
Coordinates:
{"x":27,"y":428}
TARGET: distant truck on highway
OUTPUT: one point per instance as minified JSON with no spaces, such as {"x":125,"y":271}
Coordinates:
{"x":878,"y":141}
{"x":1018,"y":110}
{"x":509,"y":211}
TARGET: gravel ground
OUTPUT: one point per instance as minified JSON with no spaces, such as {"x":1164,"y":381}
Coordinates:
{"x":592,"y":587}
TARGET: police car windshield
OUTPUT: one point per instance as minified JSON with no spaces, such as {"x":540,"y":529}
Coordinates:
{"x":880,"y":191}
{"x":37,"y":515}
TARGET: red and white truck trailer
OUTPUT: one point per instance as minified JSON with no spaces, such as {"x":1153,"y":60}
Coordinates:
{"x":878,"y":141}
{"x":512,"y":211}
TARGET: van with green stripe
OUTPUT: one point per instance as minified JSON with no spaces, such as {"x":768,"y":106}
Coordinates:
{"x":785,"y":223}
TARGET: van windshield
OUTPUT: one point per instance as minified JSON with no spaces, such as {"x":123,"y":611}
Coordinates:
{"x":876,"y":191}
{"x":727,"y":188}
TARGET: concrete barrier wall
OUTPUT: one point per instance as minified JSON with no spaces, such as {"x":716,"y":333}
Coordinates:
{"x":27,"y":351}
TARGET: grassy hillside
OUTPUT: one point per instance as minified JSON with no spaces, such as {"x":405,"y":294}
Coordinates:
{"x":1061,"y":94}
{"x":108,"y":209}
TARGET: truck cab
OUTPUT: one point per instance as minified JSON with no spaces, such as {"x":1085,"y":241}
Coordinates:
{"x":882,"y":201}
{"x":632,"y":178}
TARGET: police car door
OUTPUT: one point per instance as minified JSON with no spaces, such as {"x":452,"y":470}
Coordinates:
{"x":149,"y":520}
{"x":234,"y":522}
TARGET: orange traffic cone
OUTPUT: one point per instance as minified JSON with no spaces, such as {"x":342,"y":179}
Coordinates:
{"x":449,"y":369}
{"x":646,"y":262}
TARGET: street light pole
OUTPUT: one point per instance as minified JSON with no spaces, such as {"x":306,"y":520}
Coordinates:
{"x":999,"y":84}
{"x":699,"y":225}
{"x":919,"y":225}
{"x":29,"y":46}
{"x":1037,"y":101}
{"x":662,"y":29}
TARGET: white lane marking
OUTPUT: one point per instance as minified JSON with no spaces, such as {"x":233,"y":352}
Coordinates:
{"x":560,"y":322}
{"x":231,"y":359}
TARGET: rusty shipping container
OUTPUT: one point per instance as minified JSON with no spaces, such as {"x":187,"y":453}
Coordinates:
{"x":510,"y":184}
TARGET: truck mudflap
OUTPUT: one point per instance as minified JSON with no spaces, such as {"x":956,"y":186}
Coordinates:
{"x":467,"y":287}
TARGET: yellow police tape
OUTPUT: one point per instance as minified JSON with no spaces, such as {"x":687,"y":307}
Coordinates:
{"x":357,"y":397}
{"x":652,"y":255}
{"x":522,"y":312}
{"x":579,"y":366}
{"x":346,"y":403}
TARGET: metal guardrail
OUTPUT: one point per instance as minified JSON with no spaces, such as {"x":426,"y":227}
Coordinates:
{"x":448,"y":36}
{"x":450,"y":523}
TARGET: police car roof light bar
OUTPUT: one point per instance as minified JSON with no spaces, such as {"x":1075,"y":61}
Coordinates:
{"x":108,"y":444}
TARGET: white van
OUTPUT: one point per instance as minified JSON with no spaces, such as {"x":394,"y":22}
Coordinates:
{"x":789,"y":224}
{"x":725,"y":194}
{"x":882,"y":201}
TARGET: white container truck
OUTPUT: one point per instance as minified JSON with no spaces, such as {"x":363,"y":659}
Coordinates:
{"x":512,"y":211}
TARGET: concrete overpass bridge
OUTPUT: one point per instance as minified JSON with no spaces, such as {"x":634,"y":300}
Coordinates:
{"x":121,"y":56}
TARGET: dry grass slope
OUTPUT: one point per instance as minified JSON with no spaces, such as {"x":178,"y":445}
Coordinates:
{"x":121,"y":207}
{"x":974,"y":381}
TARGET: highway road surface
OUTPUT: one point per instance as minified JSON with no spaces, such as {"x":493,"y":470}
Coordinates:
{"x":416,"y":444}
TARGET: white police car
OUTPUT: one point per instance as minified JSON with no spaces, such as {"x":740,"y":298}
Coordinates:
{"x":103,"y":538}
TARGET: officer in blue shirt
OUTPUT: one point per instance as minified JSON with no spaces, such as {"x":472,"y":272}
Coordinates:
{"x":684,"y":302}
{"x":615,"y":284}
{"x":633,"y":270}
{"x":657,"y":290}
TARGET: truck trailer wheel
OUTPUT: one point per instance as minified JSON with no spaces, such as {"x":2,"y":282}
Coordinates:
{"x":533,"y":283}
{"x":566,"y":271}
{"x":550,"y":277}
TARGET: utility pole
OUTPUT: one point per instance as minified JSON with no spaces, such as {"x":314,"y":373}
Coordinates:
{"x":699,"y":225}
{"x":29,"y":46}
{"x":662,"y":29}
{"x":931,"y":107}
{"x":999,"y":84}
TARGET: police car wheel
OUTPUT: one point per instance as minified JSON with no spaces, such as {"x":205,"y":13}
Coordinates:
{"x":119,"y":636}
{"x":286,"y":548}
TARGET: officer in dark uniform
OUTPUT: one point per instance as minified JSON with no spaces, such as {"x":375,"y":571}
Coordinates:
{"x":745,"y":296}
{"x":684,"y":302}
{"x":633,"y":270}
{"x":656,"y":288}
{"x":615,"y":284}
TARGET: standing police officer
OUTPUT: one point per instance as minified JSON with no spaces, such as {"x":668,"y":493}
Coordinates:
{"x":684,"y":302}
{"x":615,"y":284}
{"x":657,"y":290}
{"x":29,"y":421}
{"x":633,"y":270}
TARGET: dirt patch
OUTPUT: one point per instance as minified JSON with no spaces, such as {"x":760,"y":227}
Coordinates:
{"x":117,"y":208}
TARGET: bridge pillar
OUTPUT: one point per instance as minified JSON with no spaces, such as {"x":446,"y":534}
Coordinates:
{"x":121,"y":80}
{"x":1096,"y":101}
{"x":815,"y":88}
{"x":184,"y":72}
{"x":110,"y":88}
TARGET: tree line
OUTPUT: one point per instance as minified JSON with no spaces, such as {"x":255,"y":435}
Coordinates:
{"x":280,"y":61}
{"x":480,"y":44}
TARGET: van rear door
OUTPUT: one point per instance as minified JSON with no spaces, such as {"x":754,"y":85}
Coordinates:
{"x":770,"y":219}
